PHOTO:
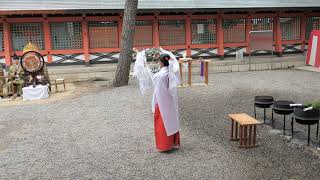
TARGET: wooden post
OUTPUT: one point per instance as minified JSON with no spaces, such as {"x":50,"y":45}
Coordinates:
{"x":189,"y":61}
{"x":303,"y":31}
{"x":250,"y":135}
{"x":181,"y":72}
{"x":277,"y":35}
{"x":120,"y":23}
{"x":236,"y":130}
{"x":241,"y":135}
{"x":254,"y":134}
{"x":245,"y":136}
{"x":232,"y":128}
{"x":248,"y":29}
{"x":206,"y":72}
{"x":220,"y":36}
{"x":155,"y":27}
{"x":188,"y":34}
{"x":85,"y":40}
{"x":189,"y":72}
{"x":47,"y":39}
{"x":7,"y":42}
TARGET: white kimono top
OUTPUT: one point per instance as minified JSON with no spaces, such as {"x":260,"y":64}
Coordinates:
{"x":165,"y":89}
{"x":167,"y":100}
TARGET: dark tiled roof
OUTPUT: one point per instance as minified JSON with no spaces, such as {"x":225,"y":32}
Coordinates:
{"x":13,"y":5}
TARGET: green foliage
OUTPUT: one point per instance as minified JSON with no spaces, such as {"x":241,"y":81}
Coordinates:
{"x":314,"y":104}
{"x":152,"y":54}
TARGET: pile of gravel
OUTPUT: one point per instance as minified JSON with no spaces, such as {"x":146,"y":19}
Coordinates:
{"x":108,"y":134}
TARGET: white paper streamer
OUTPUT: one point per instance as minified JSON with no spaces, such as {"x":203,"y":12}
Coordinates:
{"x":143,"y":73}
{"x":295,"y":105}
{"x":308,"y":109}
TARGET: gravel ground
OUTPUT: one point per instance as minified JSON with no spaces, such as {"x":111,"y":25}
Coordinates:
{"x":109,"y":134}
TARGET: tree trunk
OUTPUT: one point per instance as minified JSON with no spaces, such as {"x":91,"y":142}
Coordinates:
{"x":127,"y":39}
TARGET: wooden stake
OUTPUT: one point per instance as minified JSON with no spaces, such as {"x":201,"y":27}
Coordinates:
{"x":181,"y":73}
{"x":206,"y":73}
{"x":189,"y":72}
{"x":232,"y":124}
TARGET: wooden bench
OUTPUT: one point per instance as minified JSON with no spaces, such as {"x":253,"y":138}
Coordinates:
{"x":246,"y":123}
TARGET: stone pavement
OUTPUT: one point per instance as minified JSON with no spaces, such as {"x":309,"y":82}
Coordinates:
{"x":308,"y":68}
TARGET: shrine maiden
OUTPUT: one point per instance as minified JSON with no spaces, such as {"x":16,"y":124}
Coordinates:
{"x":165,"y":98}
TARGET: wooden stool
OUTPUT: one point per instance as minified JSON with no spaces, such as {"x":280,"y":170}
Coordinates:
{"x":60,"y":81}
{"x":246,"y":123}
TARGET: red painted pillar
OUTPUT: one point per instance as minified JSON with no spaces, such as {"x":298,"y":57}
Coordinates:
{"x":120,"y":23}
{"x":188,"y":35}
{"x":85,"y":40}
{"x":155,"y":27}
{"x":277,"y":35}
{"x":303,"y":31}
{"x":7,"y":42}
{"x":220,"y":36}
{"x":47,"y":39}
{"x":248,"y":29}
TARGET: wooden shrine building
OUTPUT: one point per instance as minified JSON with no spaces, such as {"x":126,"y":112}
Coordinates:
{"x":82,"y":31}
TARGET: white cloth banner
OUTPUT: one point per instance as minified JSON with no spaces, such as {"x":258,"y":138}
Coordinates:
{"x":313,"y":53}
{"x":35,"y":93}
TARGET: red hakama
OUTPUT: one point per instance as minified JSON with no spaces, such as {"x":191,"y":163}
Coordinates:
{"x":163,"y":142}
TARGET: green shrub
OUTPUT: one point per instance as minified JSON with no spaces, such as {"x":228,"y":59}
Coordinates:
{"x":314,"y":104}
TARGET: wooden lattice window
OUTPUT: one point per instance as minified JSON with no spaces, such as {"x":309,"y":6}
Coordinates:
{"x":291,"y":28}
{"x":103,"y":34}
{"x":262,"y":24}
{"x":234,"y":30}
{"x":1,"y":38}
{"x":23,"y":33}
{"x":203,"y":31}
{"x":66,"y":35}
{"x":143,"y":33}
{"x":172,"y":32}
{"x":312,"y":23}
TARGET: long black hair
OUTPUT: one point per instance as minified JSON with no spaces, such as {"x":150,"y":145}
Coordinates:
{"x":164,"y":58}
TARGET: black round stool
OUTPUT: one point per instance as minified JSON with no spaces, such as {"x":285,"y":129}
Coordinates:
{"x":283,"y":107}
{"x":262,"y":102}
{"x":309,"y":118}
